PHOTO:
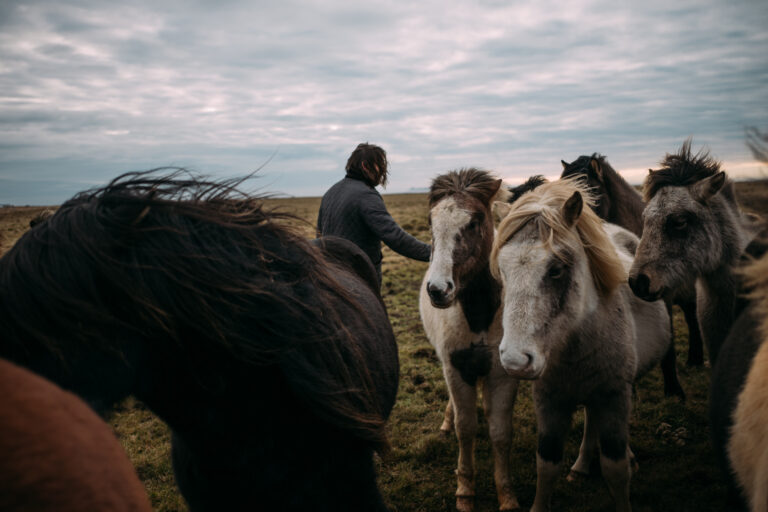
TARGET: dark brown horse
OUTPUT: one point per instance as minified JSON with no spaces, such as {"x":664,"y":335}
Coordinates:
{"x":57,"y":454}
{"x":275,"y":367}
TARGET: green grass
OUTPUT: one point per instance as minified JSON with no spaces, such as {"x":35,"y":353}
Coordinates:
{"x":677,"y":471}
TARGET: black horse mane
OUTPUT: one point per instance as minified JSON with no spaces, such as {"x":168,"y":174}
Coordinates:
{"x":530,"y":184}
{"x":182,"y":260}
{"x":680,"y":170}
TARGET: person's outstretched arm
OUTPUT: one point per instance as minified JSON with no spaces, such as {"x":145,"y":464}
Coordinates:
{"x":384,"y":226}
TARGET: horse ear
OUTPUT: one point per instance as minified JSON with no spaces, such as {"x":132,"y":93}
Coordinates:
{"x":501,"y":209}
{"x":595,"y":164}
{"x":707,"y":188}
{"x":487,"y":195}
{"x":572,"y":209}
{"x":565,"y":165}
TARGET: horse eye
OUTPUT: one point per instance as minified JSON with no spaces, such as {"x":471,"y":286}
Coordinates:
{"x":678,"y":223}
{"x":556,"y":271}
{"x":472,"y":225}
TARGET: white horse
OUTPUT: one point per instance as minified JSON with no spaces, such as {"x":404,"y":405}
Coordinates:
{"x":571,"y":323}
{"x":460,"y":309}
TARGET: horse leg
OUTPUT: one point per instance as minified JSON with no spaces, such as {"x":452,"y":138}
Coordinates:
{"x":589,"y":447}
{"x":499,"y":394}
{"x":447,"y":427}
{"x":553,"y":427}
{"x":612,"y":422}
{"x":669,"y":363}
{"x":463,"y":397}
{"x":695,"y":344}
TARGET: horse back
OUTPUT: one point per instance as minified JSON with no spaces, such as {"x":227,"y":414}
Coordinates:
{"x":369,"y":321}
{"x":57,"y":454}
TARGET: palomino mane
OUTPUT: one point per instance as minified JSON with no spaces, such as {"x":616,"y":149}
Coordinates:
{"x":542,"y":206}
{"x":475,"y":182}
{"x":680,"y":170}
{"x":183,"y":261}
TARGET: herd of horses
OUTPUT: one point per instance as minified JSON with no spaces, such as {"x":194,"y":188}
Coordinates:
{"x":273,"y":361}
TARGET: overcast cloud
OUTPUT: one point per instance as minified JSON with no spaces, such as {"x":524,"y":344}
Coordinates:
{"x":89,"y":90}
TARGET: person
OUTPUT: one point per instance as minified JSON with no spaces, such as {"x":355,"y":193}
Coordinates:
{"x":353,"y":209}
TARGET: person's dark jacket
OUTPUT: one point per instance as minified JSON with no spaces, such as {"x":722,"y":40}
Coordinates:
{"x":354,"y":210}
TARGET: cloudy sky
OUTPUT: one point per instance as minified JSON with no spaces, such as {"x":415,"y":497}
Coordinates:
{"x":90,"y":89}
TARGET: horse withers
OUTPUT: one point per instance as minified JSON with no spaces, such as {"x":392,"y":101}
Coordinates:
{"x":459,"y":304}
{"x":571,"y":324}
{"x":274,"y":366}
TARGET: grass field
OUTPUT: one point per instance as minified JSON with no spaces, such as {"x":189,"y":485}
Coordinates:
{"x":670,"y":438}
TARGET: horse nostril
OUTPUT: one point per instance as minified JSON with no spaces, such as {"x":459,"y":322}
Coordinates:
{"x":640,"y":285}
{"x":449,"y":286}
{"x":435,"y":293}
{"x":529,"y":356}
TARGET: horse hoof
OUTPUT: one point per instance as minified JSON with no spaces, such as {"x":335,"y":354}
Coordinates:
{"x":465,"y":503}
{"x":576,"y":476}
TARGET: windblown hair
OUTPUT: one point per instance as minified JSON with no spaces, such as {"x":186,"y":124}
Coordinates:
{"x":363,"y":161}
{"x":530,"y":184}
{"x":543,"y":207}
{"x":680,"y":170}
{"x":41,"y":217}
{"x":475,"y":182}
{"x":182,"y":261}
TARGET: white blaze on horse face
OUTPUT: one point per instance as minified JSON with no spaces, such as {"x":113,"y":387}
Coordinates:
{"x":521,"y":267}
{"x":537,"y":317}
{"x":447,"y":221}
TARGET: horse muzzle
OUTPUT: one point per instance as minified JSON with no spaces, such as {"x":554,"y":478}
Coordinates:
{"x":521,"y":364}
{"x":441,"y":297}
{"x":641,"y":284}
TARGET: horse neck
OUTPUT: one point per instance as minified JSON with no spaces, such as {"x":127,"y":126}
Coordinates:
{"x":718,"y":290}
{"x":480,"y":298}
{"x":597,"y":346}
{"x":626,"y":204}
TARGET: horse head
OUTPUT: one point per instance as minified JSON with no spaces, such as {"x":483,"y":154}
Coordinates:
{"x":683,"y":235}
{"x":591,"y":169}
{"x":555,"y":262}
{"x":461,"y":223}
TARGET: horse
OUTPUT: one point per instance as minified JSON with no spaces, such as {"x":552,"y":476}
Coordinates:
{"x":571,"y":324}
{"x":693,"y":231}
{"x":274,"y":366}
{"x":745,"y":441}
{"x":738,"y":388}
{"x":619,"y":203}
{"x":58,"y":455}
{"x":459,"y":303}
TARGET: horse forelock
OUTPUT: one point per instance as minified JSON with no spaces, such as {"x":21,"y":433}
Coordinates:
{"x":680,"y":170}
{"x":194,"y":262}
{"x":543,"y":207}
{"x":477,"y":183}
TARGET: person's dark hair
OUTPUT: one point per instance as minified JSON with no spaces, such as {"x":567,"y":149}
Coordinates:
{"x":363,"y":161}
